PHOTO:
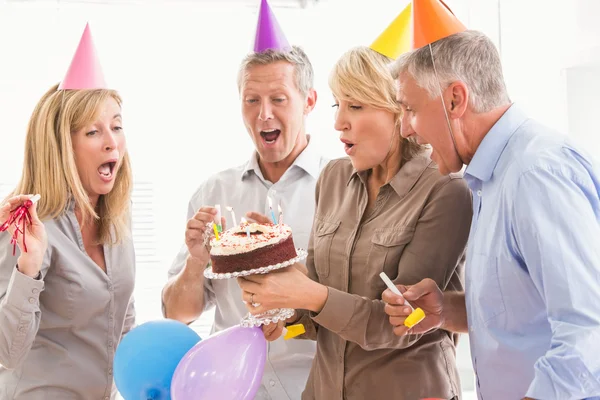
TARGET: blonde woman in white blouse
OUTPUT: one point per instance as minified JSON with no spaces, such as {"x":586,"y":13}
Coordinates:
{"x":67,"y":301}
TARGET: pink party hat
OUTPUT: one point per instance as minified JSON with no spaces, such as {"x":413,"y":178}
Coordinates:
{"x":85,"y":71}
{"x":268,"y":32}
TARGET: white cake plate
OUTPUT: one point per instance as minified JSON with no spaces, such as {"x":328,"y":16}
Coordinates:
{"x":267,"y":317}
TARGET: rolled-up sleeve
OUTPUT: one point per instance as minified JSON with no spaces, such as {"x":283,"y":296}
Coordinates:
{"x":19,"y":306}
{"x":557,"y":232}
{"x":178,"y":264}
{"x":435,"y":251}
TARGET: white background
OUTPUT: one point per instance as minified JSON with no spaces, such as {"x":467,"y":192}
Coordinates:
{"x":175,"y":64}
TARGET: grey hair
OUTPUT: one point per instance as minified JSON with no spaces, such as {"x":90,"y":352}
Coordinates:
{"x":469,"y":57}
{"x":303,"y":69}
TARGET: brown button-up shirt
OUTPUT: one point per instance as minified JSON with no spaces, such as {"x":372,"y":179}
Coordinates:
{"x":417,"y":228}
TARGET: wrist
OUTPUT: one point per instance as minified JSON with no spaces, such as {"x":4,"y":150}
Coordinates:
{"x":316,"y":297}
{"x":29,"y":265}
{"x":197,"y":263}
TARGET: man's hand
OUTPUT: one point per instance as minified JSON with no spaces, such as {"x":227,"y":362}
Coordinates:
{"x":425,"y":295}
{"x":196,"y":230}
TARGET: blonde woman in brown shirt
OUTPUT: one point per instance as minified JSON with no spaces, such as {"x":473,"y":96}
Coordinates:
{"x":384,"y":208}
{"x":67,"y":301}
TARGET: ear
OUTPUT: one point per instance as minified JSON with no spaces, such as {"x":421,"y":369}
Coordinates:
{"x":457,"y":99}
{"x":311,"y":101}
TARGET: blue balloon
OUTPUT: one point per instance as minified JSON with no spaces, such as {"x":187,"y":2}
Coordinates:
{"x":147,"y":357}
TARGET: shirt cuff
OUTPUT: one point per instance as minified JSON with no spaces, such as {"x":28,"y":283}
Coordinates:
{"x":337,"y":311}
{"x":574,"y":385}
{"x":24,"y":292}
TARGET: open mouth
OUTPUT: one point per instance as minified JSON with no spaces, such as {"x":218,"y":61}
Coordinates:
{"x":270,"y":135}
{"x":347,"y":145}
{"x":106,"y":170}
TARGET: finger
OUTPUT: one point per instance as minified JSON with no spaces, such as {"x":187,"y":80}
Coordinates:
{"x":249,"y":286}
{"x":402,"y":288}
{"x":397,"y":321}
{"x":248,"y":297}
{"x":196,"y":224}
{"x":256,"y":278}
{"x":204,"y":216}
{"x":400,"y":330}
{"x":4,"y":212}
{"x":34,"y":215}
{"x":275,"y":333}
{"x":194,"y":235}
{"x":16,"y":201}
{"x":390,"y":297}
{"x":425,"y":287}
{"x":397,"y":311}
{"x":258,"y":217}
{"x":269,"y":329}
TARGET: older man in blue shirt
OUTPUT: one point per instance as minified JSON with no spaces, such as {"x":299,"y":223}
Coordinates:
{"x":533,"y":258}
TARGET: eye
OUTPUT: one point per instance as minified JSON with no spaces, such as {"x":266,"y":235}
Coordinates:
{"x":118,"y":128}
{"x":279,"y":100}
{"x":91,"y":133}
{"x":336,"y":105}
{"x":356,"y":107}
{"x":251,"y":101}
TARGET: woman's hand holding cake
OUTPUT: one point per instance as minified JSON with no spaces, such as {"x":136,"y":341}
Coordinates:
{"x":285,"y":288}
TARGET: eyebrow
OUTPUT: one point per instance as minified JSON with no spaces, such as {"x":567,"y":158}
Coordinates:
{"x":117,"y":116}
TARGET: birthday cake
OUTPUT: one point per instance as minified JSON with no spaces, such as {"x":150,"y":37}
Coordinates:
{"x":251,"y":246}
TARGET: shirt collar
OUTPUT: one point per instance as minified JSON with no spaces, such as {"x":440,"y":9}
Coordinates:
{"x":493,"y":144}
{"x":309,"y":160}
{"x":405,"y":178}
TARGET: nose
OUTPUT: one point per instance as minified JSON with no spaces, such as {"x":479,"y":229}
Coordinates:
{"x":266,"y":112}
{"x":406,"y":129}
{"x":341,"y":123}
{"x":110,"y":141}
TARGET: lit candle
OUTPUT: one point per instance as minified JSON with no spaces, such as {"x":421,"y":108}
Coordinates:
{"x":230,"y":209}
{"x":280,"y":214}
{"x":218,"y":218}
{"x":247,"y":227}
{"x":271,"y":209}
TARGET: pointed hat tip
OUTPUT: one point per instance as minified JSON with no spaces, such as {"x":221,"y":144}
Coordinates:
{"x":269,"y":34}
{"x":433,"y":20}
{"x":85,"y":71}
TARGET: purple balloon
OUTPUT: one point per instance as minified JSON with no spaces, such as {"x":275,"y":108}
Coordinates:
{"x":227,"y":365}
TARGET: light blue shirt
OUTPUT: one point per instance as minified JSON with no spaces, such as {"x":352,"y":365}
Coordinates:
{"x":533,"y":264}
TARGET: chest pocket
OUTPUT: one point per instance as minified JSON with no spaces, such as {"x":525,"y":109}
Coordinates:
{"x":485,"y":289}
{"x":386,"y":250}
{"x":324,"y":234}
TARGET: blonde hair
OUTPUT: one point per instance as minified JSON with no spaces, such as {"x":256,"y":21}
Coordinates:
{"x":363,"y":75}
{"x":49,"y":164}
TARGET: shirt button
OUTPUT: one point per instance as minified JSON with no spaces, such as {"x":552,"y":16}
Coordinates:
{"x":106,"y":398}
{"x":110,"y":343}
{"x":479,"y":193}
{"x":34,"y":291}
{"x":32,"y":300}
{"x":272,"y":382}
{"x":110,"y":372}
{"x":22,"y":329}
